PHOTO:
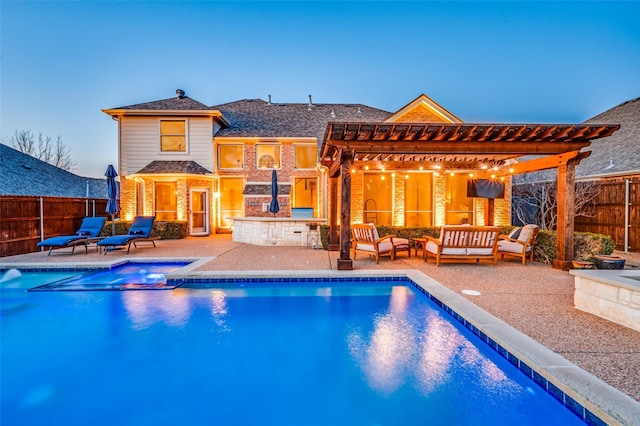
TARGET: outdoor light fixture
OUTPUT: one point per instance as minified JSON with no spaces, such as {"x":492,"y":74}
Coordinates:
{"x":406,"y":176}
{"x":511,"y":170}
{"x":421,"y":168}
{"x":366,"y":167}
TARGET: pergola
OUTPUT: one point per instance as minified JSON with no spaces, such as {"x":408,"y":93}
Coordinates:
{"x":402,"y":146}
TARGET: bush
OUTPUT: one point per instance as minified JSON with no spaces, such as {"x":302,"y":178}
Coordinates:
{"x":586,"y":245}
{"x":165,"y":230}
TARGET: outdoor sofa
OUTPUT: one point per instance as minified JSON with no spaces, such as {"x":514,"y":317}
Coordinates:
{"x":464,"y":242}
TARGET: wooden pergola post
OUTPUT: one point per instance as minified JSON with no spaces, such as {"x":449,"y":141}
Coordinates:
{"x":346,"y":161}
{"x":566,"y":213}
{"x":334,"y":238}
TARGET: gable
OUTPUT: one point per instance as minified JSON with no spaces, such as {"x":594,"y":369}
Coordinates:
{"x":423,"y":110}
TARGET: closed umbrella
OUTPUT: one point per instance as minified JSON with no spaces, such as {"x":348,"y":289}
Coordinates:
{"x":273,"y":206}
{"x":112,"y":190}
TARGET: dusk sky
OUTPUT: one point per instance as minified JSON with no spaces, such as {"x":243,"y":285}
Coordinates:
{"x":505,"y":62}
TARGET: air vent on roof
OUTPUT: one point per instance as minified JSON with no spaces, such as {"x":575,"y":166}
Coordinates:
{"x":610,"y":166}
{"x":180,"y":94}
{"x":269,"y":103}
{"x":310,"y":103}
{"x":333,"y":114}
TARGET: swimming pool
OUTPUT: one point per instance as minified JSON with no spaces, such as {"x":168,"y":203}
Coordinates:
{"x":304,"y":353}
{"x":125,"y":276}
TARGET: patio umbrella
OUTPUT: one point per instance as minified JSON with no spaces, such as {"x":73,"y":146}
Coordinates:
{"x":112,"y":190}
{"x":273,"y":206}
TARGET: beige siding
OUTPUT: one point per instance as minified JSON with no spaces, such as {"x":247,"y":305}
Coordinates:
{"x":140,"y":143}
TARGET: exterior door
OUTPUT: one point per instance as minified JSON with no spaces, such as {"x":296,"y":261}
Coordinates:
{"x":199,"y":215}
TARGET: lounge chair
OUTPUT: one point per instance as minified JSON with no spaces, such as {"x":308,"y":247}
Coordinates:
{"x":140,"y":231}
{"x":522,"y":245}
{"x":89,"y":231}
{"x":365,"y":238}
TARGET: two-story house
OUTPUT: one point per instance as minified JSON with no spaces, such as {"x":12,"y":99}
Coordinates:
{"x":182,"y":160}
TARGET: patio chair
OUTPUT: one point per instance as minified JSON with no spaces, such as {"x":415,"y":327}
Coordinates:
{"x":520,"y":247}
{"x":139,"y":232}
{"x":89,"y":231}
{"x":365,"y":238}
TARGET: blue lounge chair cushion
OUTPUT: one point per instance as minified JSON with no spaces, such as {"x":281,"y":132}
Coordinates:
{"x":91,"y":227}
{"x":61,"y":241}
{"x":140,"y":229}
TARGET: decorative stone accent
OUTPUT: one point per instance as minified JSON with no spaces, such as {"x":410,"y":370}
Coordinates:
{"x":613,"y":295}
{"x":264,"y":231}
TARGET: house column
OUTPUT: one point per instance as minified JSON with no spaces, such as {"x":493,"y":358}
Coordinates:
{"x":566,"y":214}
{"x":334,"y":238}
{"x":346,"y":161}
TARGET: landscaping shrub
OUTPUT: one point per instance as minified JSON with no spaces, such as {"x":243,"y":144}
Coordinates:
{"x":165,"y":230}
{"x":586,"y":245}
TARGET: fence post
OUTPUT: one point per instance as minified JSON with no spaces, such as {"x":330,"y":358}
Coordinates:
{"x":41,"y":222}
{"x":626,"y":215}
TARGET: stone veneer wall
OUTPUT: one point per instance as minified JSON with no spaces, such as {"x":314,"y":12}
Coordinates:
{"x":606,"y":300}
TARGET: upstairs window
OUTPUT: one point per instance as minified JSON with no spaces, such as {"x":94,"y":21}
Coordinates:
{"x":230,"y":156}
{"x":305,"y":156}
{"x":268,"y":156}
{"x":173,"y":136}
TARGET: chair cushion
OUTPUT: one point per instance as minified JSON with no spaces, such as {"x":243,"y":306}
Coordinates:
{"x":515,"y":233}
{"x":525,"y":233}
{"x":454,"y":251}
{"x":385,"y":247}
{"x":400,"y":242}
{"x":511,"y":247}
{"x":480,"y":251}
{"x":365,"y":247}
{"x":431,"y":247}
{"x":62,"y":241}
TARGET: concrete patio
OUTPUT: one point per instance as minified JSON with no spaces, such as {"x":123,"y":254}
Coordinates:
{"x":535,"y":299}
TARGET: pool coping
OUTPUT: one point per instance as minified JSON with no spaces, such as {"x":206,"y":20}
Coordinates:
{"x":577,"y":389}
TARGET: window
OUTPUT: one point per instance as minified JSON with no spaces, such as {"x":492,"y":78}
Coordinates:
{"x":418,"y":202}
{"x":166,"y":201}
{"x":230,"y":156}
{"x":378,"y":199}
{"x":231,"y":200}
{"x":458,"y":208}
{"x":305,"y":193}
{"x":305,"y":156}
{"x":268,"y":156}
{"x":173,"y":136}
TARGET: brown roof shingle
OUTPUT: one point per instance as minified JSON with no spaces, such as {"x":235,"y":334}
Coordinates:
{"x":258,"y":118}
{"x":186,"y":167}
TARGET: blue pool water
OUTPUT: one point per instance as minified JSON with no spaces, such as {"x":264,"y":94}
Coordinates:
{"x":127,"y":276}
{"x":312,"y":354}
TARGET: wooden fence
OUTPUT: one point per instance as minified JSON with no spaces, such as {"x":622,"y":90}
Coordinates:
{"x":617,"y":206}
{"x":25,"y":221}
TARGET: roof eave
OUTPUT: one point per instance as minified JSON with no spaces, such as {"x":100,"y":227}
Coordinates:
{"x":117,"y":112}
